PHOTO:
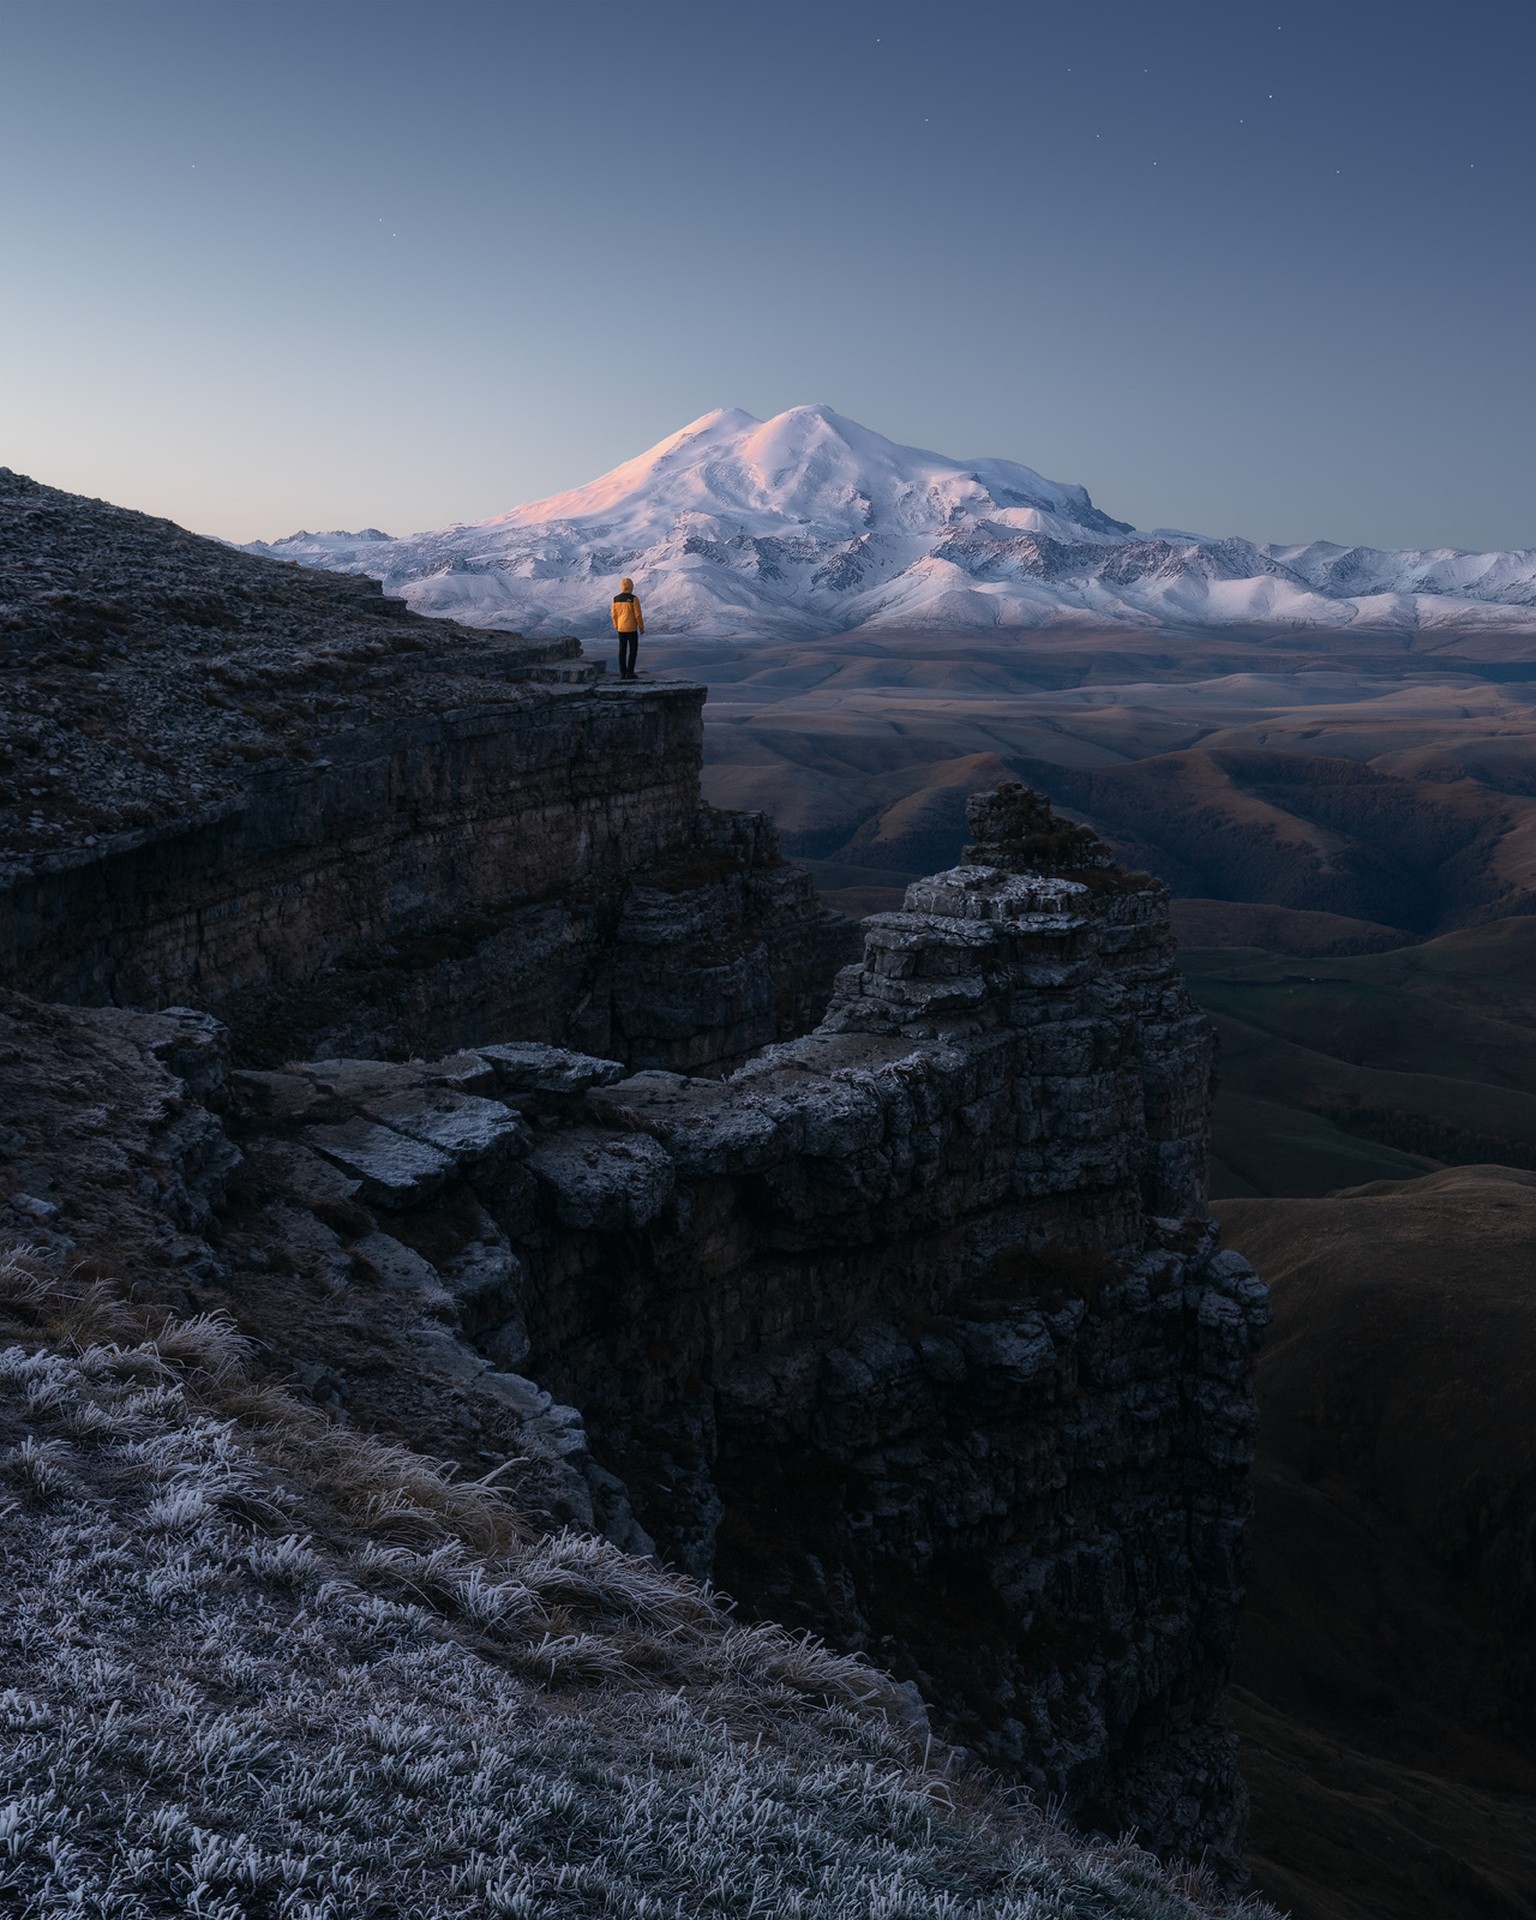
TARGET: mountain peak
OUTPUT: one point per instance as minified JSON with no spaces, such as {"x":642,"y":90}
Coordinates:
{"x":809,"y":523}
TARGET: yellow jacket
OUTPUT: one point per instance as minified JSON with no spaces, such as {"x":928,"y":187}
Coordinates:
{"x":627,"y":617}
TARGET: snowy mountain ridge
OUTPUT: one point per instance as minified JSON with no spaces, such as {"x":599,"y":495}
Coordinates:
{"x":809,"y":524}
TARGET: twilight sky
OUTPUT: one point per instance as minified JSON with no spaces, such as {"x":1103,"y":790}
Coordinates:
{"x":1238,"y":268}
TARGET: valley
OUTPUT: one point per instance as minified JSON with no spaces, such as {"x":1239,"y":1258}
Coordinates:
{"x":1368,"y":802}
{"x":1383,"y":1693}
{"x":1349,"y":831}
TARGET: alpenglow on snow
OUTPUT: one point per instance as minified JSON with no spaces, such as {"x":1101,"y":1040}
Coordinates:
{"x":809,"y":525}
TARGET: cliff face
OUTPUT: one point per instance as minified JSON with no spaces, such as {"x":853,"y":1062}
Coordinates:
{"x":275,"y":795}
{"x":911,"y":1328}
{"x":543,"y":867}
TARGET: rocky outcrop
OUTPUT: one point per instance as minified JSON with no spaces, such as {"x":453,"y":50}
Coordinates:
{"x":899,"y":1316}
{"x":276,"y":796}
{"x":912,"y":1330}
{"x":541,"y":867}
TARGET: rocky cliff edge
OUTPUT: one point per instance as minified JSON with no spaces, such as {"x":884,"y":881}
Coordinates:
{"x":912,"y":1331}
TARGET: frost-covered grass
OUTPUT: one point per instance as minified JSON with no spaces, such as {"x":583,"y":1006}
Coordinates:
{"x":252,"y":1664}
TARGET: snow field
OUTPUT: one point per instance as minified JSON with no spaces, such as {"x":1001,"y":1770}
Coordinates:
{"x":809,"y":525}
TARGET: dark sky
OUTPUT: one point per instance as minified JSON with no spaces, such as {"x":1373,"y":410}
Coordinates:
{"x":1258,"y":269}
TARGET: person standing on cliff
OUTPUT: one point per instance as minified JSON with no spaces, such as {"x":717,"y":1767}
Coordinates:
{"x":629,"y":624}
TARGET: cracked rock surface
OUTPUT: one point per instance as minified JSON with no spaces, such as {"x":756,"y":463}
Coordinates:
{"x":899,"y":1316}
{"x":912,"y":1331}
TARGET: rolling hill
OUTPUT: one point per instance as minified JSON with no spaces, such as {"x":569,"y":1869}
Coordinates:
{"x":1384,"y":1690}
{"x":1372,"y":1066}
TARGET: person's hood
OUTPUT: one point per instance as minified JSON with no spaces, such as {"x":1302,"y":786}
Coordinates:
{"x":626,"y":586}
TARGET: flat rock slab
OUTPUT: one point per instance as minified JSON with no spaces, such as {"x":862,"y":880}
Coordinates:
{"x":390,"y":1169}
{"x":704,"y":1126}
{"x":356,"y":1081}
{"x":285,"y":1167}
{"x":291,"y":1097}
{"x":402,"y":1269}
{"x":466,"y":1072}
{"x":605,"y":1182}
{"x":333,"y":1090}
{"x":360,"y":1081}
{"x":527,"y":1067}
{"x":480,"y":1135}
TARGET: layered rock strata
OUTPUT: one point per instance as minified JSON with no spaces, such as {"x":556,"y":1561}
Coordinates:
{"x":912,"y":1330}
{"x":345,"y":829}
{"x":542,"y":868}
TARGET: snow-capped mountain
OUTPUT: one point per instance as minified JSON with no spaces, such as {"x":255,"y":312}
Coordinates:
{"x":809,"y":524}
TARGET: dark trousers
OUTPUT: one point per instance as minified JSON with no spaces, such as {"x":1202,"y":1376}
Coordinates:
{"x":629,"y":648}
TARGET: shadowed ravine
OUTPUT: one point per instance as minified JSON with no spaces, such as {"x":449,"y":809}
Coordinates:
{"x":1348,"y":821}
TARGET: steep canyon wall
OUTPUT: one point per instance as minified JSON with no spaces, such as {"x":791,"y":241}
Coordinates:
{"x":912,"y":1331}
{"x":540,"y":865}
{"x":518,"y":1115}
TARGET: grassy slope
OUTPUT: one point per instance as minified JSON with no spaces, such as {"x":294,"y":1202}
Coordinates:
{"x":1293,"y":930}
{"x":1387,"y":1687}
{"x":1372,"y":1066}
{"x":1264,"y":1147}
{"x":259,"y":1667}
